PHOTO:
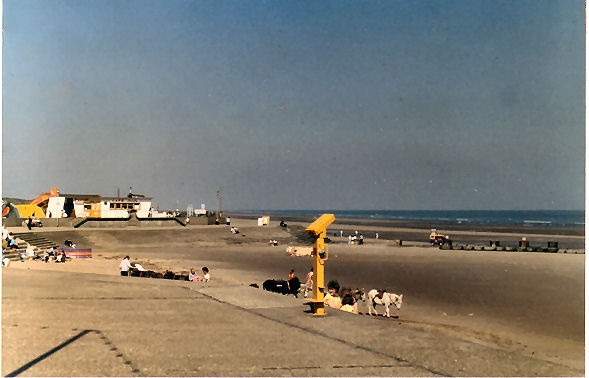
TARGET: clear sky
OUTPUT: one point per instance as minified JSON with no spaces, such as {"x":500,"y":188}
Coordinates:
{"x":329,"y":104}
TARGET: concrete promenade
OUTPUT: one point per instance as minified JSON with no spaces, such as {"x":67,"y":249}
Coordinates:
{"x":72,"y":324}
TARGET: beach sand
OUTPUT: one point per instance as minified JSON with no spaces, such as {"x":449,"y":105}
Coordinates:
{"x":529,"y":304}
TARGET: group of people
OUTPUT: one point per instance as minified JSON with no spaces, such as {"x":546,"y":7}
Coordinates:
{"x":206,"y":276}
{"x":9,"y":238}
{"x":335,"y":298}
{"x":54,"y":254}
{"x":356,"y":238}
{"x":11,"y":242}
{"x":125,"y":266}
{"x":340,"y":299}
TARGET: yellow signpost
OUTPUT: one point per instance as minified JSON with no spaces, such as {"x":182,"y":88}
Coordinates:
{"x":318,"y":231}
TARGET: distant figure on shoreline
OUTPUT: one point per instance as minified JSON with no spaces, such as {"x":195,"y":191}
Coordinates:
{"x":228,"y":221}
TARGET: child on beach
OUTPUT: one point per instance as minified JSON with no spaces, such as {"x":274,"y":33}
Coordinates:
{"x":331,"y":298}
{"x":348,"y":304}
{"x":206,"y":277}
{"x":192,"y":276}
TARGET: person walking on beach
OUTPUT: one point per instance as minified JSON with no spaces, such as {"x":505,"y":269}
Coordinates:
{"x":125,"y":265}
{"x":308,"y":283}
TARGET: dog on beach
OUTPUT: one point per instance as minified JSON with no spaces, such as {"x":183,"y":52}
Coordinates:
{"x":380,"y":297}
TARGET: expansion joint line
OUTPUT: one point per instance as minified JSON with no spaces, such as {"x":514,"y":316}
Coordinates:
{"x":69,"y":341}
{"x":331,"y":338}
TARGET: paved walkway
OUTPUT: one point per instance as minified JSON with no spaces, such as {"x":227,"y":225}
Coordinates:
{"x":71,"y":324}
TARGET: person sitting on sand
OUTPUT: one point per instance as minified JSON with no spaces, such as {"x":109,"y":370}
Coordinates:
{"x":206,"y":277}
{"x":70,"y":243}
{"x":60,"y":257}
{"x":331,"y":298}
{"x":5,"y":260}
{"x":49,"y":254}
{"x":348,"y":304}
{"x":30,"y":252}
{"x":125,"y":265}
{"x":11,"y":241}
{"x":192,"y":276}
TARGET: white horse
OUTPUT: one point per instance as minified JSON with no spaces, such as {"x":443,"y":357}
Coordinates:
{"x":386,"y":300}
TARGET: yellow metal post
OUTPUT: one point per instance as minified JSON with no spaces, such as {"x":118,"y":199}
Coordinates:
{"x":318,"y":230}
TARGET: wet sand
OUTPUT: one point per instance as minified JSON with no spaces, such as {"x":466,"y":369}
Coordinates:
{"x":531,"y":304}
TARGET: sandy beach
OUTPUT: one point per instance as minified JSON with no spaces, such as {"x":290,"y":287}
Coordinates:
{"x":525,"y":304}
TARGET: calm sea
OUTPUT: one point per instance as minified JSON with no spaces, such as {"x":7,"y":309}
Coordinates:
{"x":571,"y":218}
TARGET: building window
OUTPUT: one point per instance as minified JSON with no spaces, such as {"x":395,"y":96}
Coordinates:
{"x":123,"y":205}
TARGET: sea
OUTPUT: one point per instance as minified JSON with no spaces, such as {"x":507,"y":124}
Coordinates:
{"x":558,"y":218}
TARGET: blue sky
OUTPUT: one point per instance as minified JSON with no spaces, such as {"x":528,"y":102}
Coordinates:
{"x":298,"y":104}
